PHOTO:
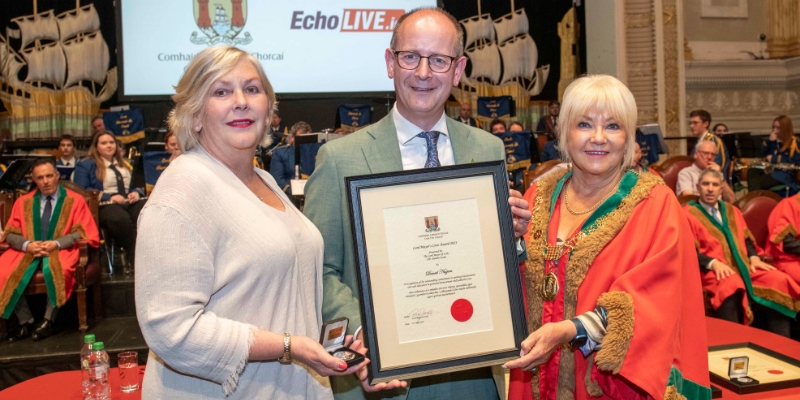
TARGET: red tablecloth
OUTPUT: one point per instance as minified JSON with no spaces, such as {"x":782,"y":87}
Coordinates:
{"x":65,"y":385}
{"x":723,"y":332}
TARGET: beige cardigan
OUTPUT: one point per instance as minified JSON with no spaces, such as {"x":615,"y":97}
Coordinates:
{"x":212,"y":263}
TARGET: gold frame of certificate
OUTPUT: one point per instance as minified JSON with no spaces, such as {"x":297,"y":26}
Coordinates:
{"x":438,"y":274}
{"x":765,"y":369}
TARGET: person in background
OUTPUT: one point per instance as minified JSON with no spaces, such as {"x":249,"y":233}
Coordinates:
{"x":733,"y":274}
{"x":783,"y":243}
{"x":171,"y":145}
{"x":773,"y":143}
{"x":277,"y":129}
{"x":66,"y":145}
{"x":45,"y":240}
{"x":550,"y":151}
{"x":465,"y":115}
{"x":605,"y":317}
{"x":699,"y":121}
{"x":228,"y":286}
{"x":515,"y":127}
{"x":497,"y":126}
{"x":547,"y":124}
{"x":784,"y":151}
{"x":720,"y":129}
{"x":688,"y":177}
{"x":105,"y":170}
{"x":98,"y":125}
{"x":283,"y":163}
{"x":637,"y":162}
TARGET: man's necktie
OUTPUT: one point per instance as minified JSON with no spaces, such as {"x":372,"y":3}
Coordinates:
{"x":431,"y":138}
{"x":45,"y":220}
{"x":715,"y":214}
{"x":120,"y":181}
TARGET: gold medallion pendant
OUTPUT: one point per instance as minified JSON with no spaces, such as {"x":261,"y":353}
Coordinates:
{"x":549,"y":288}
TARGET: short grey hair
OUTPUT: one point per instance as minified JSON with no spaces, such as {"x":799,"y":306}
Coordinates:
{"x":302,"y":125}
{"x":191,"y":92}
{"x":712,"y":172}
{"x":700,"y":143}
{"x":459,"y":47}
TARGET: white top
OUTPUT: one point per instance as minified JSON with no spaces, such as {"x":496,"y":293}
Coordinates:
{"x":414,"y":150}
{"x":110,"y":181}
{"x":687,"y":179}
{"x":212,"y":263}
{"x":68,"y":162}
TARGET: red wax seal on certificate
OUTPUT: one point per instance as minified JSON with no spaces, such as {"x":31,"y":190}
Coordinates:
{"x":461,"y":310}
{"x":775,"y":371}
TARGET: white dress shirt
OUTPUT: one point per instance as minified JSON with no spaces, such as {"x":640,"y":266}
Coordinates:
{"x":68,"y":163}
{"x":110,"y":181}
{"x":414,"y":150}
{"x":42,"y":205}
{"x":711,"y":211}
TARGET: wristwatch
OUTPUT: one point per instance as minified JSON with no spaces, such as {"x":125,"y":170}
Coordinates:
{"x":287,"y":349}
{"x":580,"y":336}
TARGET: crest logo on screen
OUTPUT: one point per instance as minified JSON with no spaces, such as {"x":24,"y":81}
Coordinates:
{"x":220,"y":22}
{"x":431,"y":224}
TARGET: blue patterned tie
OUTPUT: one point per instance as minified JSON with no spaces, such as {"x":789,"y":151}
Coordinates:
{"x":431,"y":138}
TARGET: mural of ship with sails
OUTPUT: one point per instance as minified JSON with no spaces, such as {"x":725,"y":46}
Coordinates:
{"x":54,"y":72}
{"x":503,"y":57}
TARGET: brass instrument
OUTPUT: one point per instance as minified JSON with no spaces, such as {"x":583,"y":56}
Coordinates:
{"x":132,"y":152}
{"x":767,"y":167}
{"x":108,"y":202}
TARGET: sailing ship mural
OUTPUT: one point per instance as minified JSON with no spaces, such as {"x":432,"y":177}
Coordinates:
{"x":503,"y":59}
{"x":54,"y":72}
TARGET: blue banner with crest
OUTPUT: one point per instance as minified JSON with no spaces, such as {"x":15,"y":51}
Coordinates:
{"x":494,"y":107}
{"x":354,"y":115}
{"x":126,"y":125}
{"x":518,"y":149}
{"x":155,"y":162}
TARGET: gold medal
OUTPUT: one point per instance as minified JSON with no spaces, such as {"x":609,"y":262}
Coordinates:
{"x":549,"y":288}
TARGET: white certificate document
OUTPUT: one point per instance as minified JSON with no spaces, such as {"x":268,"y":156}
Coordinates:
{"x":437,"y":269}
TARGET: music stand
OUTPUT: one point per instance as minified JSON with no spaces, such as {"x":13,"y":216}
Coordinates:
{"x":16,"y":172}
{"x":742,"y":144}
{"x":536,"y":152}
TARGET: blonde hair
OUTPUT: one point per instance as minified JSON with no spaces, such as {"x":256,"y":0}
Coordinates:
{"x":601,"y":93}
{"x":191,"y":92}
{"x":99,"y":160}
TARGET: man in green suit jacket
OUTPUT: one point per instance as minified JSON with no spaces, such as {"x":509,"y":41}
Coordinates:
{"x":425,"y":60}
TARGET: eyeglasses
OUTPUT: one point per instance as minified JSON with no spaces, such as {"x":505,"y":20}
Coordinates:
{"x":436,"y":62}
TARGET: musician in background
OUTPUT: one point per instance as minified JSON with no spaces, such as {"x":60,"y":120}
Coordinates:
{"x":770,"y":145}
{"x":282,"y":164}
{"x":637,"y":162}
{"x":98,"y":125}
{"x":497,"y":127}
{"x":547,"y":123}
{"x":699,"y":122}
{"x":171,"y":145}
{"x":105,"y":170}
{"x":515,"y":127}
{"x":720,"y":129}
{"x":704,"y":155}
{"x":465,"y":115}
{"x":66,"y":145}
{"x":784,"y":152}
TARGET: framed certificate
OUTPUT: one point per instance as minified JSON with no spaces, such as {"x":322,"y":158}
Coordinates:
{"x":437,"y":270}
{"x":732,"y":365}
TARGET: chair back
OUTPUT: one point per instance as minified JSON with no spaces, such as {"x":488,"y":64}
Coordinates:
{"x":6,"y":202}
{"x":670,"y":168}
{"x":756,"y":207}
{"x":91,"y":196}
{"x":687,"y":198}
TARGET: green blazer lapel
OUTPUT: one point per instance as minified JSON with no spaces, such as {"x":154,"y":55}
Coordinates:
{"x":464,"y":151}
{"x":381,"y":149}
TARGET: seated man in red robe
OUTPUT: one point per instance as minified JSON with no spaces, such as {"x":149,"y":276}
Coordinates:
{"x":44,"y":227}
{"x":731,"y":269}
{"x":783,"y":244}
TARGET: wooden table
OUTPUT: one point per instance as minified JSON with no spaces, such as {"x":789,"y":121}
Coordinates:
{"x":723,"y":332}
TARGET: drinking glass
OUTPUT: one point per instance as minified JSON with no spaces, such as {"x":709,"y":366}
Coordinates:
{"x":128,"y":363}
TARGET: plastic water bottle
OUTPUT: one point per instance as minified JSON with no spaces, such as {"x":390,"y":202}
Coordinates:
{"x":98,"y":372}
{"x":88,"y":340}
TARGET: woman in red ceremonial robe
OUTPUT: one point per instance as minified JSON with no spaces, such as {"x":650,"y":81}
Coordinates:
{"x":783,"y":245}
{"x":615,"y":308}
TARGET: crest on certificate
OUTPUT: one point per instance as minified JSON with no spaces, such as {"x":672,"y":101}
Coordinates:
{"x":431,"y":224}
{"x":220,"y":22}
